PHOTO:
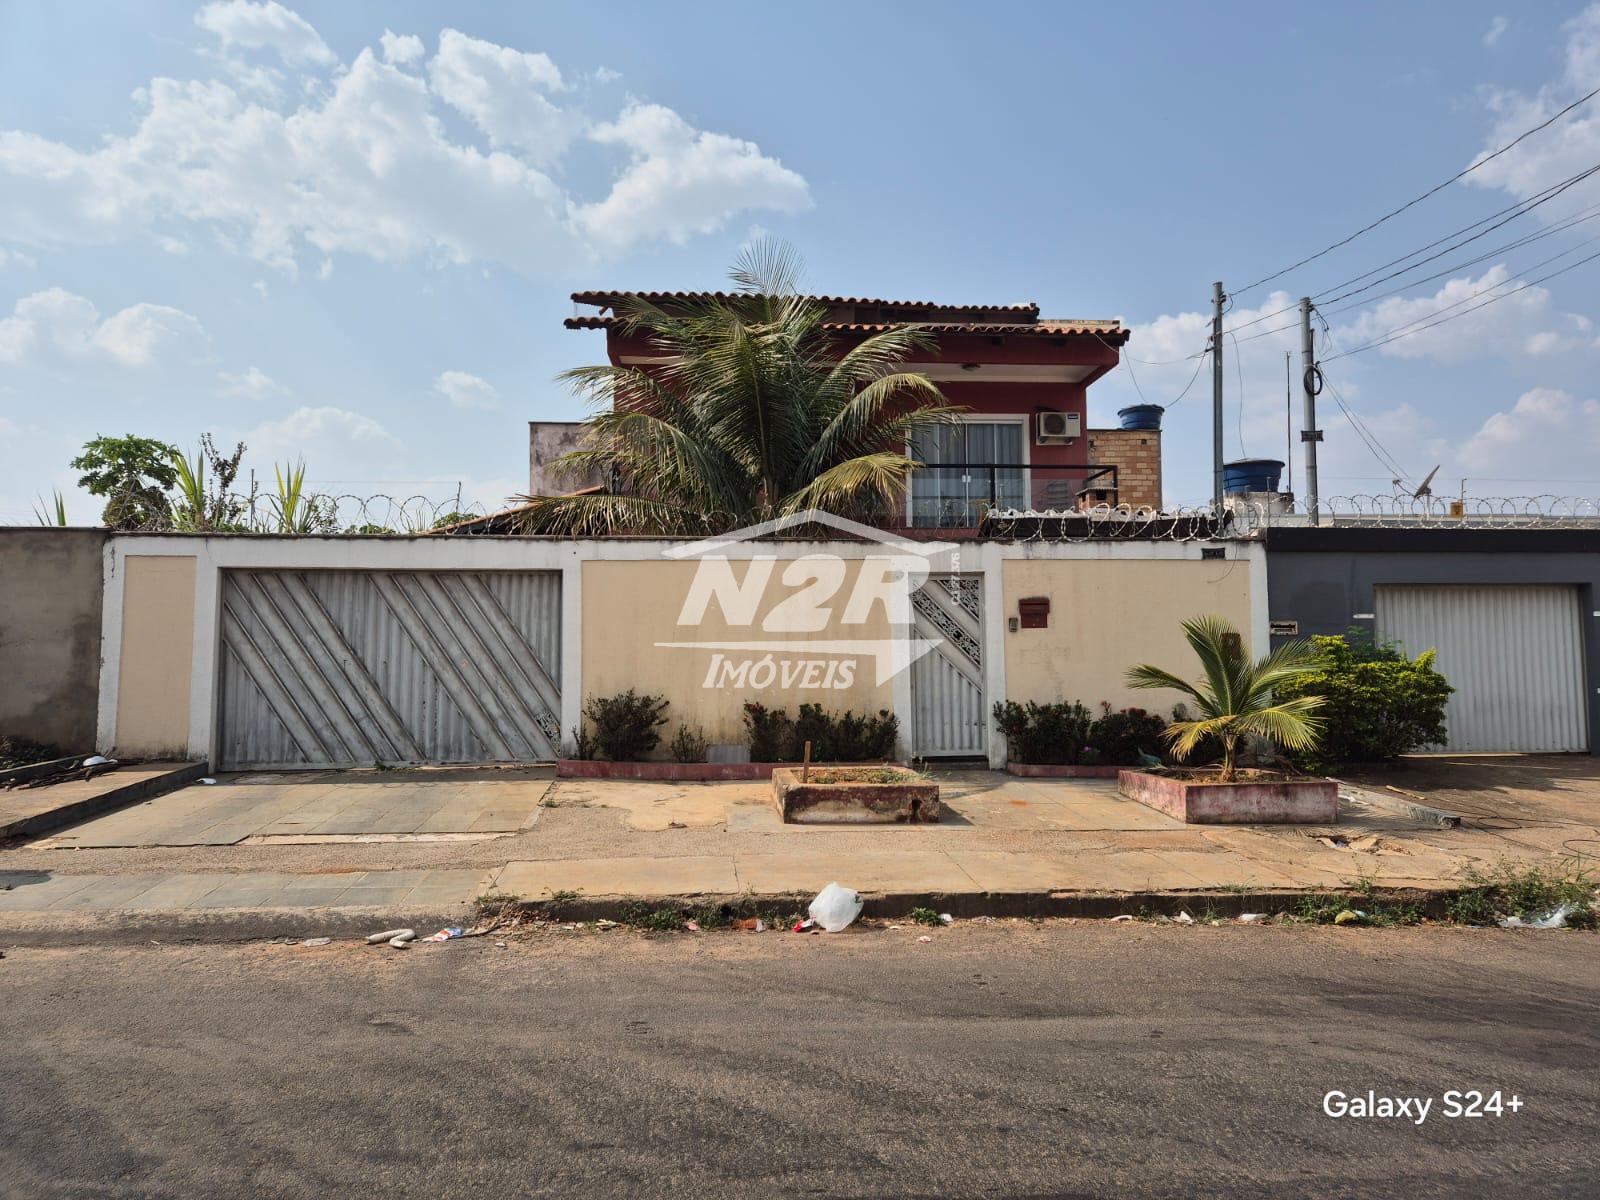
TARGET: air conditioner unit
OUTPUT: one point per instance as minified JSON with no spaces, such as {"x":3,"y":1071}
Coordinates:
{"x":1050,"y":427}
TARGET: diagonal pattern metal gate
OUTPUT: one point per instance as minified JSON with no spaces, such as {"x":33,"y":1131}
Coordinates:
{"x":342,"y":668}
{"x":947,"y":683}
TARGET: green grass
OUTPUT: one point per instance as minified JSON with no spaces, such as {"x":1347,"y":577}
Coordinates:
{"x":1528,"y":891}
{"x":924,"y":916}
{"x":671,"y":915}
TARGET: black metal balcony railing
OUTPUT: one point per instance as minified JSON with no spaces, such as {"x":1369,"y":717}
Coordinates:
{"x":957,"y":495}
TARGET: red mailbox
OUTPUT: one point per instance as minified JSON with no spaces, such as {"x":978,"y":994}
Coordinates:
{"x":1035,"y":612}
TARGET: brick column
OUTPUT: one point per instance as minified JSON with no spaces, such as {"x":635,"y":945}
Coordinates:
{"x":1136,"y":453}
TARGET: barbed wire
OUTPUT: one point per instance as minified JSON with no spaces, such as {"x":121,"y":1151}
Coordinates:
{"x":347,"y":514}
{"x":1243,"y":516}
{"x":325,"y":514}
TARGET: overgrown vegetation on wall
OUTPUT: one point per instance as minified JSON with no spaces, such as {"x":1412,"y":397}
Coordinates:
{"x":834,"y":737}
{"x":1070,"y":734}
{"x":1377,"y":702}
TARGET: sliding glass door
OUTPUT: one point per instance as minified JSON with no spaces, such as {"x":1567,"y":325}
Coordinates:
{"x":971,"y":467}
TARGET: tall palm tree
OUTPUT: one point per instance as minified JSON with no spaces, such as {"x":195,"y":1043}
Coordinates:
{"x":1235,"y":697}
{"x":750,"y":412}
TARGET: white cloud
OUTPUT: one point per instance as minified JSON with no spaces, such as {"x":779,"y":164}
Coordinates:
{"x":683,"y":181}
{"x":327,"y":435}
{"x":268,"y":26}
{"x":61,"y":324}
{"x":253,"y":384}
{"x":1547,"y":432}
{"x":363,"y":163}
{"x":401,"y":49}
{"x":1496,"y":31}
{"x":501,"y":91}
{"x":8,"y":427}
{"x":1520,"y":322}
{"x":467,"y":391}
{"x":1569,"y":146}
{"x":15,"y":258}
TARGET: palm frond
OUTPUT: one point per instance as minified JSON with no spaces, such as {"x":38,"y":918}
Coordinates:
{"x":1151,"y":678}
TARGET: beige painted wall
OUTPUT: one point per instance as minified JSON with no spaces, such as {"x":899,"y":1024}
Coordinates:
{"x":157,"y":653}
{"x":1105,"y":616}
{"x":630,"y":606}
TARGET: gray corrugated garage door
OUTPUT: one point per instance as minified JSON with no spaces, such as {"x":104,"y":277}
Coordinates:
{"x":344,"y":668}
{"x":1514,"y":655}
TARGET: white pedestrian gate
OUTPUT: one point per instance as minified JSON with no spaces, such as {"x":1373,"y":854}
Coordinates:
{"x":1513,"y":653}
{"x":947,"y":683}
{"x":351,"y":668}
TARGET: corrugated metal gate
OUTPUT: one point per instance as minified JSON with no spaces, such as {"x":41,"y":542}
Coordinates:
{"x":341,"y":668}
{"x":947,"y":682}
{"x":1513,"y":653}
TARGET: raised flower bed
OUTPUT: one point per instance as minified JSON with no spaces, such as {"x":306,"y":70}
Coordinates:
{"x":881,"y":795}
{"x":1255,"y":798}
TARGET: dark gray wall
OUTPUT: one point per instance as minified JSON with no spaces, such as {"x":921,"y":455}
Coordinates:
{"x":1323,"y":577}
{"x":50,"y":598}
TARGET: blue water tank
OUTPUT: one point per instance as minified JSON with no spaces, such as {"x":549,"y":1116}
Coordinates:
{"x":1141,"y":416}
{"x":1251,"y":475}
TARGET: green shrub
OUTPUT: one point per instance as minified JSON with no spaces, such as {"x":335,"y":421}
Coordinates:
{"x":689,"y":745}
{"x":1119,"y":735}
{"x":1068,"y":734}
{"x":842,"y":737}
{"x":1377,"y":702}
{"x":625,"y":724}
{"x":769,"y":730}
{"x":1043,"y":733}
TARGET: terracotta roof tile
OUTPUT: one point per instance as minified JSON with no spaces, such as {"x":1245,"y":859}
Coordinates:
{"x":604,"y":299}
{"x":1112,"y":331}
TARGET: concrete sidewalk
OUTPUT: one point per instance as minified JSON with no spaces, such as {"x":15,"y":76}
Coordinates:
{"x":1007,"y":845}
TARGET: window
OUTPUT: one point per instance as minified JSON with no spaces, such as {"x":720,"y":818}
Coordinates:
{"x":971,"y":467}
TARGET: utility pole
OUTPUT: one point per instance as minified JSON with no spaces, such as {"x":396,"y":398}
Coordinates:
{"x":1217,"y":298}
{"x":1311,"y":384}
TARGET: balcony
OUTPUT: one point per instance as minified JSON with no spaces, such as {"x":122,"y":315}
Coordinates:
{"x":955,"y":496}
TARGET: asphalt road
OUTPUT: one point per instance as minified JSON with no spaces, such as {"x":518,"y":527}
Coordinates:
{"x":1009,"y":1060}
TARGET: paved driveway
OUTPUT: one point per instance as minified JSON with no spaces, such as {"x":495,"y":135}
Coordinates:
{"x":325,"y":805}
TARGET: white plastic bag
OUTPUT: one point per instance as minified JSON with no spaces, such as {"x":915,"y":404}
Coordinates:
{"x":1551,"y":920}
{"x":835,"y":907}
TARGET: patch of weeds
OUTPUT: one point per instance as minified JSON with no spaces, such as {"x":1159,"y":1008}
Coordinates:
{"x":493,"y":903}
{"x":1527,"y":891}
{"x":924,"y":916}
{"x":1323,"y":908}
{"x":670,"y":916}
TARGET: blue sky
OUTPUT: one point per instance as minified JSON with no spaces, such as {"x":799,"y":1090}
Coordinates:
{"x":348,"y":231}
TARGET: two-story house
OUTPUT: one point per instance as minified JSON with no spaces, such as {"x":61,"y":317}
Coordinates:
{"x":1024,"y":442}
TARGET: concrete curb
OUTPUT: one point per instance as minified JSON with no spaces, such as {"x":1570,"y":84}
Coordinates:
{"x":77,"y":928}
{"x":193,"y":927}
{"x":107,"y":801}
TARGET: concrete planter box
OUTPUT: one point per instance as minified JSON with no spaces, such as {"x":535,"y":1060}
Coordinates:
{"x":1254,"y":802}
{"x":593,"y":768}
{"x":1061,"y":771}
{"x":827,"y":799}
{"x":706,"y":772}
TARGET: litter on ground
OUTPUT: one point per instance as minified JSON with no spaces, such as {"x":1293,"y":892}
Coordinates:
{"x":389,"y":935}
{"x":1252,"y":918}
{"x":925,"y":938}
{"x":318,"y":941}
{"x":835,"y":908}
{"x":444,"y":935}
{"x":1551,"y":920}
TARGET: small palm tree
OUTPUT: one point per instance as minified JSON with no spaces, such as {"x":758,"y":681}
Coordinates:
{"x":750,"y":412}
{"x":1235,"y":697}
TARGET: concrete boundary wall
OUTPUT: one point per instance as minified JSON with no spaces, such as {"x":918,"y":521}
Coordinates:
{"x":1136,"y":611}
{"x":50,"y":618}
